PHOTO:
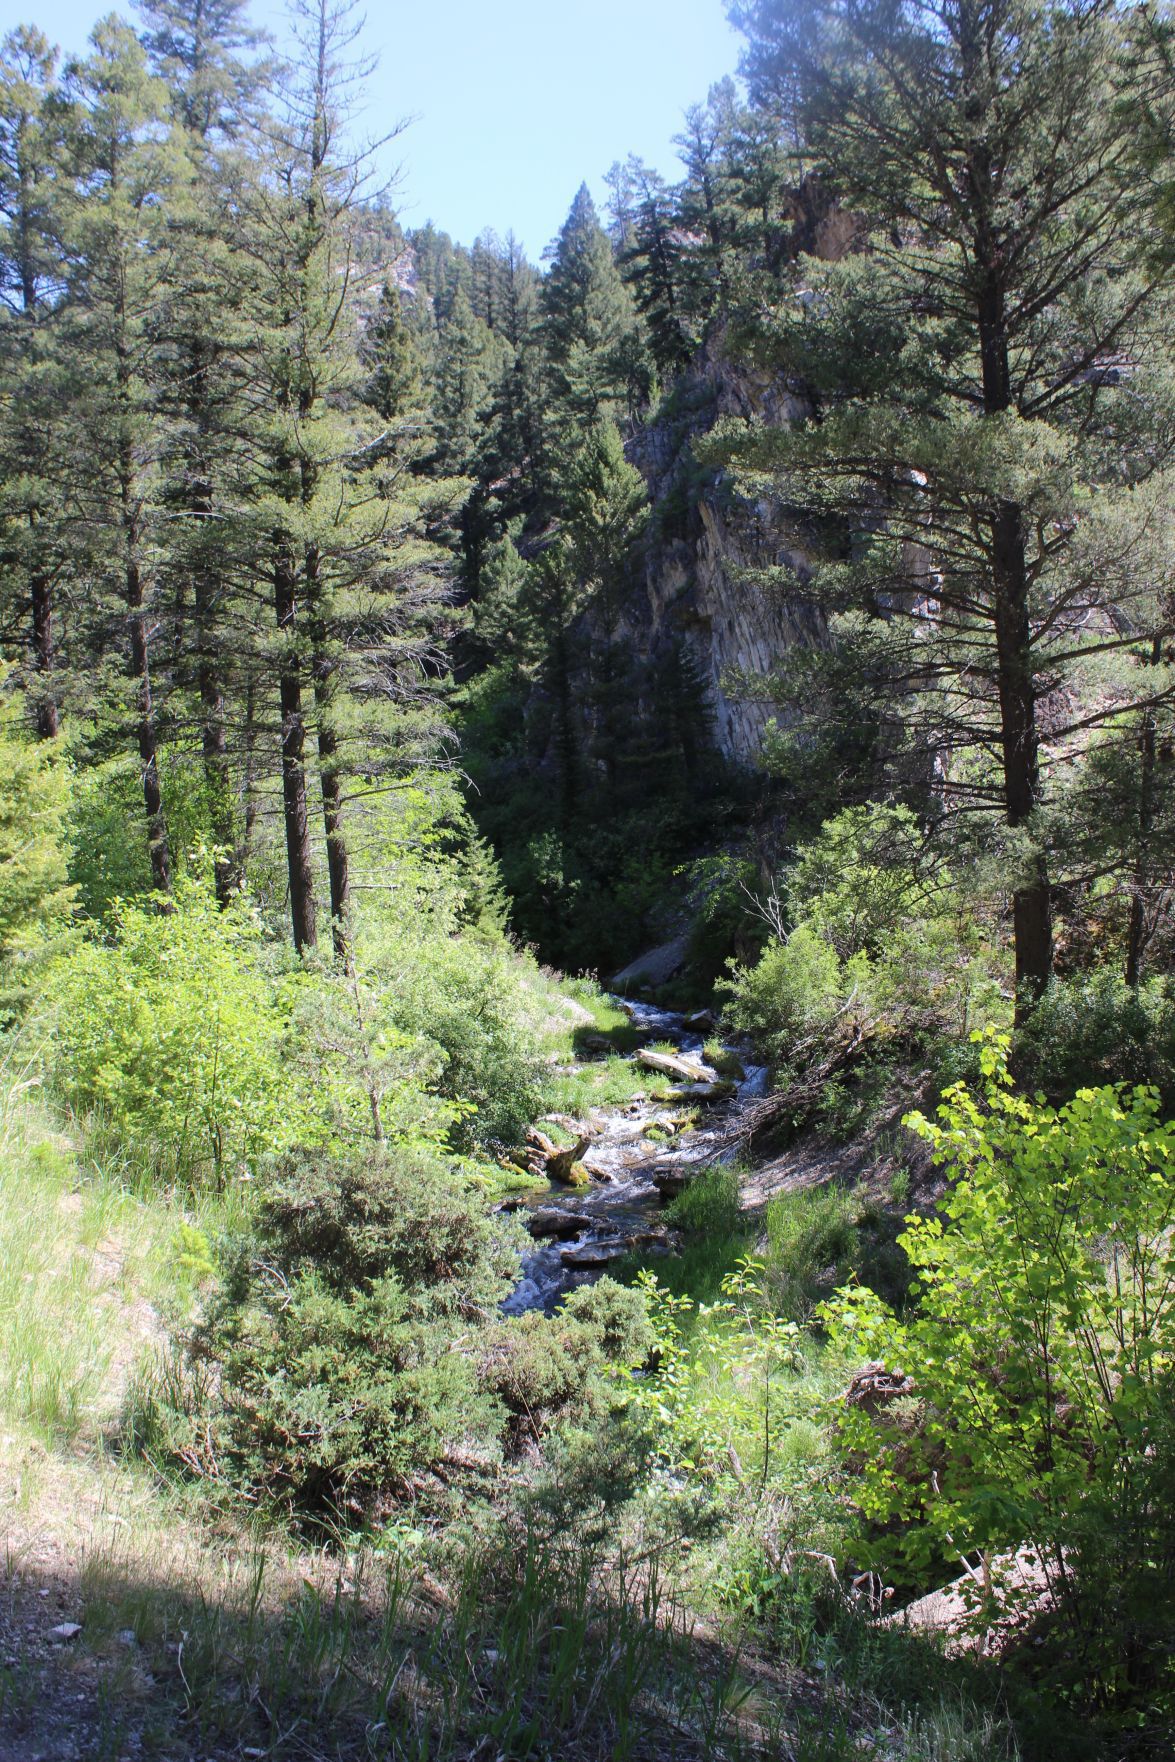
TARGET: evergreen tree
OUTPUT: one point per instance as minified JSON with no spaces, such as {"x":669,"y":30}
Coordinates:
{"x":200,"y":50}
{"x":588,"y":322}
{"x":654,"y":263}
{"x":347,"y":529}
{"x":396,"y":370}
{"x":31,"y":269}
{"x":467,"y":359}
{"x":126,"y":169}
{"x":606,"y":507}
{"x":982,"y":383}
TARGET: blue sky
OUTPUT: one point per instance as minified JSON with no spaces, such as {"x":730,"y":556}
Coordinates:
{"x":517,"y":102}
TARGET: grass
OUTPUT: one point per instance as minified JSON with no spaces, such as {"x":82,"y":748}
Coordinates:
{"x":79,"y":1251}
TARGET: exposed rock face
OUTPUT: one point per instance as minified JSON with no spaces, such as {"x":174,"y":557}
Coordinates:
{"x":697,"y":593}
{"x":711,"y":539}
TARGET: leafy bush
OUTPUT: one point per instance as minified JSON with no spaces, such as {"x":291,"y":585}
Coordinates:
{"x":172,"y":1031}
{"x":547,"y":1368}
{"x":464,"y":997}
{"x":861,"y":878}
{"x":812,"y":1246}
{"x":1040,"y":1339}
{"x":874,"y":940}
{"x":789,"y":998}
{"x":335,"y":1335}
{"x":1095,"y":1029}
{"x":35,"y":899}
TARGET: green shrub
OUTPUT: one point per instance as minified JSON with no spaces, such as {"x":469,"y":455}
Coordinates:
{"x":860,"y":879}
{"x":709,"y":1206}
{"x":551,"y":1368}
{"x":1039,"y":1340}
{"x":172,"y":1032}
{"x":789,"y":998}
{"x":463,"y":995}
{"x":1096,"y":1030}
{"x":36,"y":901}
{"x":342,"y":1335}
{"x":812,"y":1246}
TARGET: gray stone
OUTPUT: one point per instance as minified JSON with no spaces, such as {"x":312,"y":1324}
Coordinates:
{"x":550,"y":1220}
{"x":654,"y":967}
{"x":594,"y":1253}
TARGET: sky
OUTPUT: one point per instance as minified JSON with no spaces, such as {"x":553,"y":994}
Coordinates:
{"x":515,"y":103}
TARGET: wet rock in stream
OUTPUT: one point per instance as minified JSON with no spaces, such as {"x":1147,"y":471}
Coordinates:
{"x":550,"y":1220}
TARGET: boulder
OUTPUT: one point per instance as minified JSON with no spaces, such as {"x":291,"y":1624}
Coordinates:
{"x":550,"y":1220}
{"x":594,"y":1253}
{"x":670,"y":1182}
{"x":655,"y":967}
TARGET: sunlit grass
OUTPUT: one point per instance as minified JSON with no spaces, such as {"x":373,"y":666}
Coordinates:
{"x":85,"y":1264}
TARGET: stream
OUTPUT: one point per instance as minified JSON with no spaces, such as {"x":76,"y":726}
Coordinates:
{"x":619,"y":1210}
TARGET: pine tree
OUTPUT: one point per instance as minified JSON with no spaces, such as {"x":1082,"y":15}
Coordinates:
{"x":346,"y":525}
{"x":606,"y":508}
{"x":986,"y":384}
{"x":126,"y":167}
{"x":466,"y":369}
{"x":654,"y":263}
{"x":396,"y":369}
{"x":31,"y":269}
{"x":200,"y":50}
{"x":588,"y":322}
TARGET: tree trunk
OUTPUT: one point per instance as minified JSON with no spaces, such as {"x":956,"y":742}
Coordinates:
{"x":207,"y":596}
{"x":41,"y":591}
{"x":141,"y":672}
{"x":324,"y":672}
{"x":249,"y":782}
{"x":1019,"y":736}
{"x":1136,"y":937}
{"x":213,"y":736}
{"x":1020,"y":742}
{"x":302,"y":912}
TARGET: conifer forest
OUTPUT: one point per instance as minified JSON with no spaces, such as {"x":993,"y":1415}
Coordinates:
{"x":587,"y":908}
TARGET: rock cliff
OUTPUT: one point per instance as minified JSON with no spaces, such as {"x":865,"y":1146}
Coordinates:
{"x":707,"y":546}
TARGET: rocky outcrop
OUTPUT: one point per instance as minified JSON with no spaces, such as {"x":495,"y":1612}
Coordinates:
{"x":704,"y":580}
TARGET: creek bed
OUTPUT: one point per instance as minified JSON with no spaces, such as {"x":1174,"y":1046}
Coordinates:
{"x":621,"y":1208}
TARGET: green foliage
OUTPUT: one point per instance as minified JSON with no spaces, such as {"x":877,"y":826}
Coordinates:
{"x":873,"y":940}
{"x":812,"y":1246}
{"x":36,"y":900}
{"x":727,"y":1394}
{"x":172,"y":1032}
{"x":464,"y":996}
{"x":332,"y":1331}
{"x":552,"y":1368}
{"x":1040,"y":1339}
{"x":859,"y":879}
{"x":790,"y":997}
{"x":1095,"y":1029}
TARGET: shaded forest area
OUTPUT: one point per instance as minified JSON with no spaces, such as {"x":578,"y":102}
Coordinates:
{"x":772,"y":593}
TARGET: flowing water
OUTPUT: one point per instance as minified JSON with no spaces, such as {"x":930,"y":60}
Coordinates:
{"x":620,"y":1209}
